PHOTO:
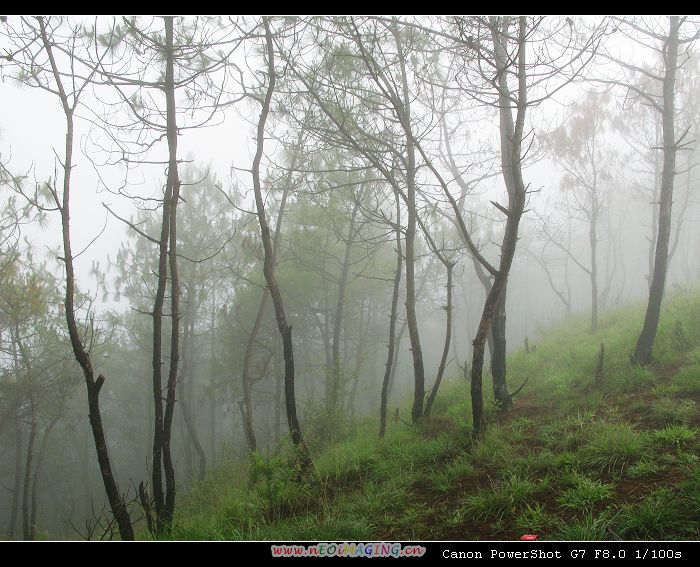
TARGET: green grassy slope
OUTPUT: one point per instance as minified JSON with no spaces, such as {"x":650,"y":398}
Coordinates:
{"x":573,"y":460}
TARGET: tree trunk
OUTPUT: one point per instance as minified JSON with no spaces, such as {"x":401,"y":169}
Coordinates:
{"x":27,"y":527}
{"x":35,"y":478}
{"x":93,"y":386}
{"x":185,"y":378}
{"x":593,"y":239}
{"x":174,"y":183}
{"x":511,"y":134}
{"x":446,"y":347}
{"x":390,"y":359}
{"x":247,"y":411}
{"x":645,"y":342}
{"x":333,"y":398}
{"x":411,"y":318}
{"x":304,"y":459}
{"x":17,"y":484}
{"x":498,"y":355}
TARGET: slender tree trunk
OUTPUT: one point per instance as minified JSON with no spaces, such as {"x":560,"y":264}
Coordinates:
{"x":593,"y":240}
{"x":17,"y":484}
{"x":278,"y":394}
{"x":390,"y":356}
{"x":333,"y":398}
{"x":174,"y":182}
{"x":93,"y":386}
{"x":185,"y":379}
{"x":247,"y":410}
{"x":27,"y":528}
{"x":645,"y":342}
{"x":35,"y":478}
{"x":446,"y":347}
{"x":411,"y":317}
{"x":306,"y":466}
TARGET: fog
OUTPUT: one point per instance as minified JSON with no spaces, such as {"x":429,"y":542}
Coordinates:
{"x":531,"y":153}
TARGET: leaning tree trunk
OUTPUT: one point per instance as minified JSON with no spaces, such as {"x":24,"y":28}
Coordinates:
{"x":643,"y":352}
{"x":304,"y":459}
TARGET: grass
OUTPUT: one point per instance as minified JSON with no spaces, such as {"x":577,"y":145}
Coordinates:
{"x":584,"y":493}
{"x":500,"y":498}
{"x":573,"y":460}
{"x":612,"y":446}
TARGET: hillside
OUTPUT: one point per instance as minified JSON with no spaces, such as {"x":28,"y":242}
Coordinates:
{"x":574,"y":460}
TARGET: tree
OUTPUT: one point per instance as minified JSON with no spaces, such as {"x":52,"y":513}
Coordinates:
{"x":579,"y":148}
{"x":673,"y":47}
{"x":285,"y":329}
{"x":47,"y":57}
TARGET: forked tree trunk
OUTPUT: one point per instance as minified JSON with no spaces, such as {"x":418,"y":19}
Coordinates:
{"x":511,"y":134}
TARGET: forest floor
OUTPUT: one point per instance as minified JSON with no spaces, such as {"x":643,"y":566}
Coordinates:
{"x":573,"y":460}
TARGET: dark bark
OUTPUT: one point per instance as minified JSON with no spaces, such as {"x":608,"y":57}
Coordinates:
{"x":247,"y":408}
{"x":390,"y":359}
{"x":498,"y":355}
{"x":93,"y":386}
{"x":305,"y":464}
{"x":496,"y":340}
{"x":643,"y":352}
